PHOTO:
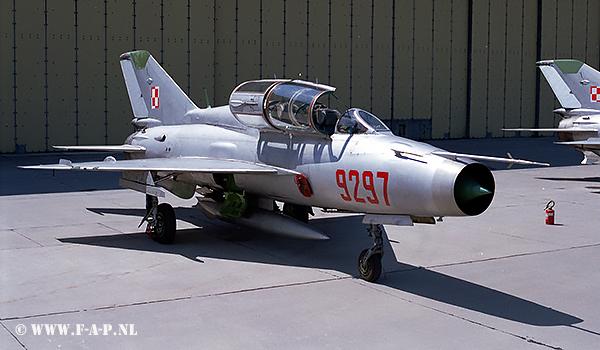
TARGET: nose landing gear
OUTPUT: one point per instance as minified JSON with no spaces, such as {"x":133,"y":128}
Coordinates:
{"x":369,"y":260}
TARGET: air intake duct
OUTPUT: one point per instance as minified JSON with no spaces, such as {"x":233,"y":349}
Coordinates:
{"x":474,"y":189}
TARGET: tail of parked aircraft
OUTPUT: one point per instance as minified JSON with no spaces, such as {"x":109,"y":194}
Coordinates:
{"x":575,"y":84}
{"x":154,"y":95}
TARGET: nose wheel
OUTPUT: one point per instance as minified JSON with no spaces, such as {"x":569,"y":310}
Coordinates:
{"x":369,"y":260}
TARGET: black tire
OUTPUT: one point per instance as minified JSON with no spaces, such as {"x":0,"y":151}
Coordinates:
{"x":372,"y":268}
{"x":298,"y":212}
{"x":165,"y":229}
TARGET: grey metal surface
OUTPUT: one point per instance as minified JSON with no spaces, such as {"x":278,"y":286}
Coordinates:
{"x":70,"y":253}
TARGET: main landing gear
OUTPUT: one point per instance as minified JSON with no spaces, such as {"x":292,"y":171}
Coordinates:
{"x":161,"y":220}
{"x":162,"y":228}
{"x":369,"y":260}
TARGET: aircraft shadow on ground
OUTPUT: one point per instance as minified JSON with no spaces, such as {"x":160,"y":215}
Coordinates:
{"x":594,"y":179}
{"x":576,"y":179}
{"x":228,"y":242}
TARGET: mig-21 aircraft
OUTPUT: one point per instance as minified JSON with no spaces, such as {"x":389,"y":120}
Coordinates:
{"x":277,"y":141}
{"x":577,"y":87}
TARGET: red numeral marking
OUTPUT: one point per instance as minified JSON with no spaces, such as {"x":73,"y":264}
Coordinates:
{"x":384,"y":175}
{"x":354,"y":174}
{"x":368,"y":184}
{"x":340,"y":177}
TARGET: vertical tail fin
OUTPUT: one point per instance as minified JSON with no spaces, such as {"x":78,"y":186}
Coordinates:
{"x":152,"y":92}
{"x":575,"y":84}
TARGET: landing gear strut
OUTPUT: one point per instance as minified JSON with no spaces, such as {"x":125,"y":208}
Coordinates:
{"x":369,"y":260}
{"x":161,"y":220}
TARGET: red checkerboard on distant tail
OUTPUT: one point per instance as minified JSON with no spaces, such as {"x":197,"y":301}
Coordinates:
{"x":595,"y":93}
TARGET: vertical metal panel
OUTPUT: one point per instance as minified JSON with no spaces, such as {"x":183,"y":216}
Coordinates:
{"x":380,"y":90}
{"x":318,"y":42}
{"x":549,"y":50}
{"x":62,"y":117}
{"x":7,"y":143}
{"x":404,"y":57}
{"x":512,"y":69}
{"x":441,"y":66}
{"x":457,"y":90}
{"x":422,"y":63}
{"x":248,"y":40}
{"x":226,"y":55}
{"x":564,"y":29}
{"x":30,"y":92}
{"x":361,"y":54}
{"x":593,"y":33}
{"x":495,"y":74}
{"x":175,"y":41}
{"x":592,"y":48}
{"x":119,"y":17}
{"x":296,"y":36}
{"x":580,"y":26}
{"x":90,"y":45}
{"x":340,"y":50}
{"x":526,"y":61}
{"x":273,"y":38}
{"x":147,"y":22}
{"x":202,"y":52}
{"x":479,"y":68}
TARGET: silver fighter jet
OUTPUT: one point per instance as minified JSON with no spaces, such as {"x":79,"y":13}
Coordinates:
{"x":577,"y":87}
{"x":277,"y":141}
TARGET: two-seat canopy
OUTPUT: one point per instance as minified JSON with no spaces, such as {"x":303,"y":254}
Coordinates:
{"x":292,"y":106}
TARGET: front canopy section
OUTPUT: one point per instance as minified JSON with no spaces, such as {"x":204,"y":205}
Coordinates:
{"x":358,"y":121}
{"x":284,"y":105}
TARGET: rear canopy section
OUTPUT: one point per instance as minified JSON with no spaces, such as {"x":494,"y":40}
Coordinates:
{"x":283,"y":105}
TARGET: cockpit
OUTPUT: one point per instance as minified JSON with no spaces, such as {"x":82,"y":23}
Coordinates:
{"x":358,"y":121}
{"x":293,"y":106}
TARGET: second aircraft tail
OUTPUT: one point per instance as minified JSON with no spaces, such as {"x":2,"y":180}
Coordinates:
{"x":575,"y":84}
{"x":154,"y":95}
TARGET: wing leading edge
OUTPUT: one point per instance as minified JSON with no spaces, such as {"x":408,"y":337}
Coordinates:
{"x":177,"y":165}
{"x":510,"y":160}
{"x":116,"y":148}
{"x":553,"y":130}
{"x":591,"y":143}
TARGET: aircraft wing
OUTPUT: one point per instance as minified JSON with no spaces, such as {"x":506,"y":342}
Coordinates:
{"x":116,"y":148}
{"x":175,"y":165}
{"x":511,"y":160}
{"x":591,"y":143}
{"x":554,"y":130}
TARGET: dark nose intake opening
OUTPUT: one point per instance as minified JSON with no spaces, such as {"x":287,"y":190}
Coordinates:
{"x":474,"y":189}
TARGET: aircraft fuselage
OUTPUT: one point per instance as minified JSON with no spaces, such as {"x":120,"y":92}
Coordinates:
{"x":354,"y":172}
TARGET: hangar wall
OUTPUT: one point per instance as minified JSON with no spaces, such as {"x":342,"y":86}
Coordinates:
{"x":430,"y":68}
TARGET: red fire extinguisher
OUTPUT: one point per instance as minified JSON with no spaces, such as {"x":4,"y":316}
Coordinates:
{"x":550,"y":213}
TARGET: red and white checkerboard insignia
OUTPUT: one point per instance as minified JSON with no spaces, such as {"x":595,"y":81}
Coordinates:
{"x":595,"y":93}
{"x":154,"y":99}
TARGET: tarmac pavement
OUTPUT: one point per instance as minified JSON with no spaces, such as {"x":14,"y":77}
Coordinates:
{"x":72,"y":256}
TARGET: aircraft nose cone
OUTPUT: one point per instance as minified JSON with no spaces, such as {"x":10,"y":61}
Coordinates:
{"x":474,"y":189}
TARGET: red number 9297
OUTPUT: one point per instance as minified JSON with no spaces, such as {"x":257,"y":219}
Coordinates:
{"x":367,"y":180}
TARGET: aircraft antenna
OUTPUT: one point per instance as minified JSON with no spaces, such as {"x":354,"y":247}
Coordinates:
{"x":345,"y":105}
{"x":207,"y":99}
